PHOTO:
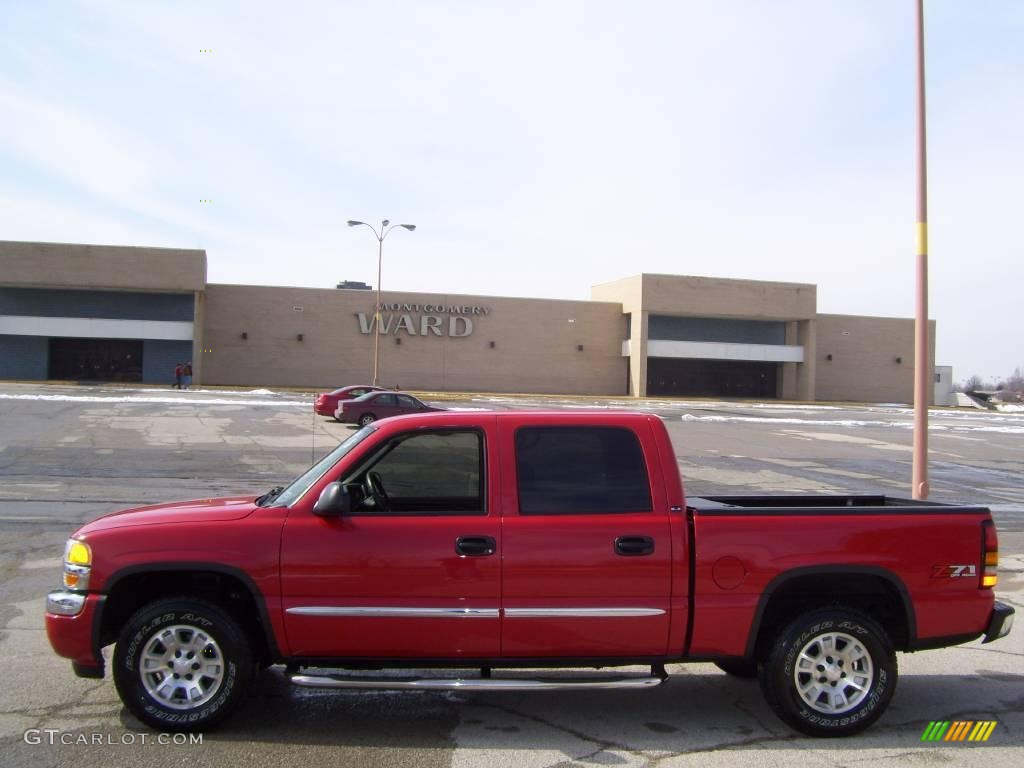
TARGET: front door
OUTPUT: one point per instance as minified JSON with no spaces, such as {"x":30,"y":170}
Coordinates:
{"x":587,"y":546}
{"x":414,"y":571}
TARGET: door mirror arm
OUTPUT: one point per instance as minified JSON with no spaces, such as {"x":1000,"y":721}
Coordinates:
{"x":334,"y":501}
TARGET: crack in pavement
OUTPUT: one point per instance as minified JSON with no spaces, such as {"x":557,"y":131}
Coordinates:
{"x":648,"y":760}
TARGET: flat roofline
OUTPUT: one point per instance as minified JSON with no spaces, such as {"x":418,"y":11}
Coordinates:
{"x":871,"y":317}
{"x":56,"y":244}
{"x":385,"y":292}
{"x":719,"y":279}
{"x":642,"y":275}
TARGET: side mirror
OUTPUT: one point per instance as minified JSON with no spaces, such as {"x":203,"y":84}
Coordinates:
{"x":335,"y":500}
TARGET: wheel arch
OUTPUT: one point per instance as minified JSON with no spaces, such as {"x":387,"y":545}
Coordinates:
{"x":876,"y":591}
{"x":228,"y":587}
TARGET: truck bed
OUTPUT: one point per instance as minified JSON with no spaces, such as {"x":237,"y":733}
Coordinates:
{"x":822,"y":504}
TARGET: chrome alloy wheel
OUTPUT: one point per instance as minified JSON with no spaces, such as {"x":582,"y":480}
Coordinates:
{"x":181,"y":666}
{"x":833,"y":673}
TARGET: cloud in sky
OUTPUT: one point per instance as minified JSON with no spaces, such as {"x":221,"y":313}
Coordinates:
{"x":541,"y":147}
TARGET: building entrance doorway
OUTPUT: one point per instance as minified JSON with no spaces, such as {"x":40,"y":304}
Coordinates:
{"x":711,"y":378}
{"x":95,"y":359}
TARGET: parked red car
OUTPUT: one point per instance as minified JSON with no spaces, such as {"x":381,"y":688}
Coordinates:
{"x":379,"y":405}
{"x":327,"y":402}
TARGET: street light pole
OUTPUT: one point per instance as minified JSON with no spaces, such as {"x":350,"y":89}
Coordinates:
{"x":922,"y":376}
{"x":385,"y":229}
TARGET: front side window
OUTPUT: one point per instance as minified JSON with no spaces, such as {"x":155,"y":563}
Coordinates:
{"x":407,"y":402}
{"x":384,"y":400}
{"x":423,"y":473}
{"x":580,"y":470}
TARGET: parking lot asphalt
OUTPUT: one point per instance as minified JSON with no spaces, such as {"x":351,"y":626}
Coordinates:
{"x":68,"y":454}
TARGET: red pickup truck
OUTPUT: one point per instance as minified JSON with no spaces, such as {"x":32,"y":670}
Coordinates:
{"x":514,"y":541}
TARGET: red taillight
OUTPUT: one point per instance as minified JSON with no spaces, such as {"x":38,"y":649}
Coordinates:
{"x":989,"y":555}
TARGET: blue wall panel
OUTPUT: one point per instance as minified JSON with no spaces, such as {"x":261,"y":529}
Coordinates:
{"x":23,"y":357}
{"x":115,"y":305}
{"x":160,"y":357}
{"x":668,"y":328}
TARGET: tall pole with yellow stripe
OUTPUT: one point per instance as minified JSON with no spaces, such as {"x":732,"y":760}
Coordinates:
{"x":922,"y":376}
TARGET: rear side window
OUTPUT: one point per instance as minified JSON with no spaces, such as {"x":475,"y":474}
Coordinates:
{"x":580,"y":470}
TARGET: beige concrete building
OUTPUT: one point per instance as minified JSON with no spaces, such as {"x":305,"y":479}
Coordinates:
{"x":130,"y":314}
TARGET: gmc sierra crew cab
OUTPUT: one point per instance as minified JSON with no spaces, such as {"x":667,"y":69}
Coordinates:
{"x":504,"y":542}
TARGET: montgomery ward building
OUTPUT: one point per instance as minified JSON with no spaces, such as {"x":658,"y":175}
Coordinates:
{"x":105,"y":313}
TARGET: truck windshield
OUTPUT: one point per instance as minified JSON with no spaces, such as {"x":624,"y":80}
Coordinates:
{"x":302,"y":483}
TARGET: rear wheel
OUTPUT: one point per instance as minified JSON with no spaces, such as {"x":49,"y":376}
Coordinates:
{"x":831,"y":672}
{"x":366,"y":418}
{"x":738,"y":667}
{"x":181,"y":664}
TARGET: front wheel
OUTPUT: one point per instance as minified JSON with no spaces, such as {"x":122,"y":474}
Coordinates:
{"x":181,"y":664}
{"x":831,"y":672}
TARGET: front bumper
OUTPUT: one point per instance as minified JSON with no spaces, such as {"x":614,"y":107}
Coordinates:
{"x":1000,"y":623}
{"x":72,"y":626}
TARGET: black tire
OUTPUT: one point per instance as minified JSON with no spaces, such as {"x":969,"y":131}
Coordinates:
{"x":366,"y":418}
{"x":219,"y":692}
{"x":860,"y":644}
{"x":744,"y":668}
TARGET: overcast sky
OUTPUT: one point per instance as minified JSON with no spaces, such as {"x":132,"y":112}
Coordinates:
{"x":540,"y":147}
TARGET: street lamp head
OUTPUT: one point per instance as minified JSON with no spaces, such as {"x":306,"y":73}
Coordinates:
{"x":410,"y":227}
{"x":354,"y":223}
{"x":385,"y":222}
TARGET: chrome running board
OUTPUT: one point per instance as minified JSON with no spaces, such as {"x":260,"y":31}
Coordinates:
{"x":475,"y":684}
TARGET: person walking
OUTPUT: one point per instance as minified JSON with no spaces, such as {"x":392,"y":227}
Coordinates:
{"x":187,"y":374}
{"x":178,"y":372}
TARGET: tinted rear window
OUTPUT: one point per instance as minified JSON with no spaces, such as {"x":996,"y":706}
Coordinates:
{"x":580,"y":470}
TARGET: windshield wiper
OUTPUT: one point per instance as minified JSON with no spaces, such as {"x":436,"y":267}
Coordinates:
{"x":269,"y":496}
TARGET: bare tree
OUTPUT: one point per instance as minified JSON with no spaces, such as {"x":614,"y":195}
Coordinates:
{"x":1016,"y":382}
{"x":973,"y":384}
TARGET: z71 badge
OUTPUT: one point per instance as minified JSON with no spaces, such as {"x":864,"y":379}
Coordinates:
{"x":953,"y":571}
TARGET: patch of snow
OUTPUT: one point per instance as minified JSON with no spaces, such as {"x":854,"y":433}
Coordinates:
{"x":165,"y":400}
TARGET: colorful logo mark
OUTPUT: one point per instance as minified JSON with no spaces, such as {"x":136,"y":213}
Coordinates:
{"x":958,"y":730}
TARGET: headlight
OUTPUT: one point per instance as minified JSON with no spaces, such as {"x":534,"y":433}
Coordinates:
{"x":77,"y":565}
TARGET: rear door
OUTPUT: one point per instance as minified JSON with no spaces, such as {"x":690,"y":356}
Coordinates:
{"x":383,"y":406}
{"x":586,"y":570}
{"x":408,"y":404}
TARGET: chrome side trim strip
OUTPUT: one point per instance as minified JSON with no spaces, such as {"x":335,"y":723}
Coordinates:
{"x":315,"y":681}
{"x":391,"y":612}
{"x":471,"y":613}
{"x":580,"y":613}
